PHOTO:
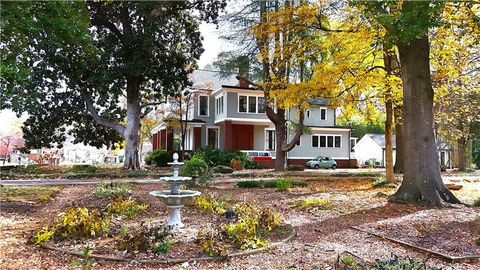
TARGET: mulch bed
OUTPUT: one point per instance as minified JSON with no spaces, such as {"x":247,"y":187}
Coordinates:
{"x":451,"y":232}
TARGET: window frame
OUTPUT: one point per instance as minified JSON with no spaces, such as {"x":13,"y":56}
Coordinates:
{"x":326,"y":136}
{"x":218,"y":136}
{"x":248,"y":104}
{"x":208,"y":106}
{"x":267,"y":130}
{"x":219,"y":105}
{"x":326,"y":113}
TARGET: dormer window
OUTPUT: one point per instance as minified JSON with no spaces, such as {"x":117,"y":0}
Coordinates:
{"x":323,"y":113}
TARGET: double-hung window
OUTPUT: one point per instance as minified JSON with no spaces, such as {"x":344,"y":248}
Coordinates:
{"x":328,"y":141}
{"x":261,"y":105}
{"x":219,"y":105}
{"x":242,"y":103}
{"x":252,"y":104}
{"x":270,"y":140}
{"x":323,"y":113}
{"x":203,"y":106}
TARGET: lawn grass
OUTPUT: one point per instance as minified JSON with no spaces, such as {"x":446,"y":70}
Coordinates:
{"x":35,"y":194}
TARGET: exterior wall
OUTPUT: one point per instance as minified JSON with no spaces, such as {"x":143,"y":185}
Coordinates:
{"x":367,"y":149}
{"x":259,"y":138}
{"x":341,"y":163}
{"x":211,"y":107}
{"x":232,"y":106}
{"x":220,"y":116}
{"x":315,"y":119}
{"x":306,"y":151}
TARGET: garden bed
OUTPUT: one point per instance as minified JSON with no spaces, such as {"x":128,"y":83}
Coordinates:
{"x":125,"y":225}
{"x":450,"y":233}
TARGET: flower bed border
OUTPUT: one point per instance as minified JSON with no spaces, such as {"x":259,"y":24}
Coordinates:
{"x":458,"y":259}
{"x":174,"y":261}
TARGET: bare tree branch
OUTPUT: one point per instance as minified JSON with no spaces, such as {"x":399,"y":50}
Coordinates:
{"x":100,"y":120}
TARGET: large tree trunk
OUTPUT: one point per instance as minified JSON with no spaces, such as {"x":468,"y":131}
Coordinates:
{"x":422,"y":181}
{"x":462,"y":154}
{"x":399,"y":144}
{"x":390,"y":176}
{"x":132,"y":127}
{"x":280,"y":155}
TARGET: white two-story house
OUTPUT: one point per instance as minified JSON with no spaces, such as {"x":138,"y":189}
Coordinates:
{"x":229,"y":115}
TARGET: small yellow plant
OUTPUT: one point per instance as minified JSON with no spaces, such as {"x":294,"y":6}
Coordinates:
{"x":127,"y":208}
{"x":313,"y":202}
{"x":211,"y":204}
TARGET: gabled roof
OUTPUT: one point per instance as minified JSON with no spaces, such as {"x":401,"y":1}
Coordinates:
{"x":379,"y":138}
{"x":210,"y":79}
{"x":319,"y":101}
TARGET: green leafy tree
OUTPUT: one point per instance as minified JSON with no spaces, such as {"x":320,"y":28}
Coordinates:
{"x":407,"y":25}
{"x":93,"y":68}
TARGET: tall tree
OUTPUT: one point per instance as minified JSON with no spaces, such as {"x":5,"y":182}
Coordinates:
{"x":90,"y":66}
{"x":407,"y":24}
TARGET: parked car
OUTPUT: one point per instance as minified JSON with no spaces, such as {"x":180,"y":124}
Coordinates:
{"x":322,"y":162}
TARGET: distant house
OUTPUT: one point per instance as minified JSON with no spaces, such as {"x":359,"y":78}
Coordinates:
{"x":228,"y":114}
{"x":371,"y":147}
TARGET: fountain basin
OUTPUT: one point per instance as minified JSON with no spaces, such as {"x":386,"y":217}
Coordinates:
{"x":174,"y":203}
{"x":170,"y":199}
{"x":179,"y":179}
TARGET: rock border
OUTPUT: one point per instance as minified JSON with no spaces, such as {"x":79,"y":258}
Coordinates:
{"x":292,"y":234}
{"x":459,"y":259}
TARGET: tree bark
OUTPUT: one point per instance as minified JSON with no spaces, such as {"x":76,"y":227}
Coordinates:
{"x":399,"y":144}
{"x":462,"y":154}
{"x":132,"y":126}
{"x":422,"y":181}
{"x":389,"y":175}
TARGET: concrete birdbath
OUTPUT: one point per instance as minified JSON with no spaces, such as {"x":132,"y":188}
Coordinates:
{"x":175,"y":198}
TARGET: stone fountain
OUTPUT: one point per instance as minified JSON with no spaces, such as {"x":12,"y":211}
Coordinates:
{"x":175,"y":198}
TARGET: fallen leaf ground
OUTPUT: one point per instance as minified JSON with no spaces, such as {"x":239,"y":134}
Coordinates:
{"x":322,"y":234}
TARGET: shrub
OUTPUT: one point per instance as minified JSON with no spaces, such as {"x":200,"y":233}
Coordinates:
{"x":295,"y":168}
{"x":211,"y":204}
{"x":249,"y":184}
{"x":145,"y":238}
{"x":38,"y":194}
{"x":80,"y":222}
{"x":87,"y":168}
{"x":112,"y":190}
{"x":212,"y":241}
{"x":215,"y":157}
{"x":252,"y":223}
{"x":237,"y":164}
{"x":379,"y":182}
{"x":222,"y":169}
{"x":126,"y":208}
{"x":196,"y":168}
{"x":284,"y":184}
{"x":476,"y":202}
{"x":396,"y":263}
{"x":313,"y":202}
{"x":159,"y":158}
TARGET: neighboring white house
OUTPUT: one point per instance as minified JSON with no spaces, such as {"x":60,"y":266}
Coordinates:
{"x":371,"y":147}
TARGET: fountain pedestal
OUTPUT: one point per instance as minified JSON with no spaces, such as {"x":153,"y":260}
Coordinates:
{"x":175,"y":198}
{"x":175,"y":216}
